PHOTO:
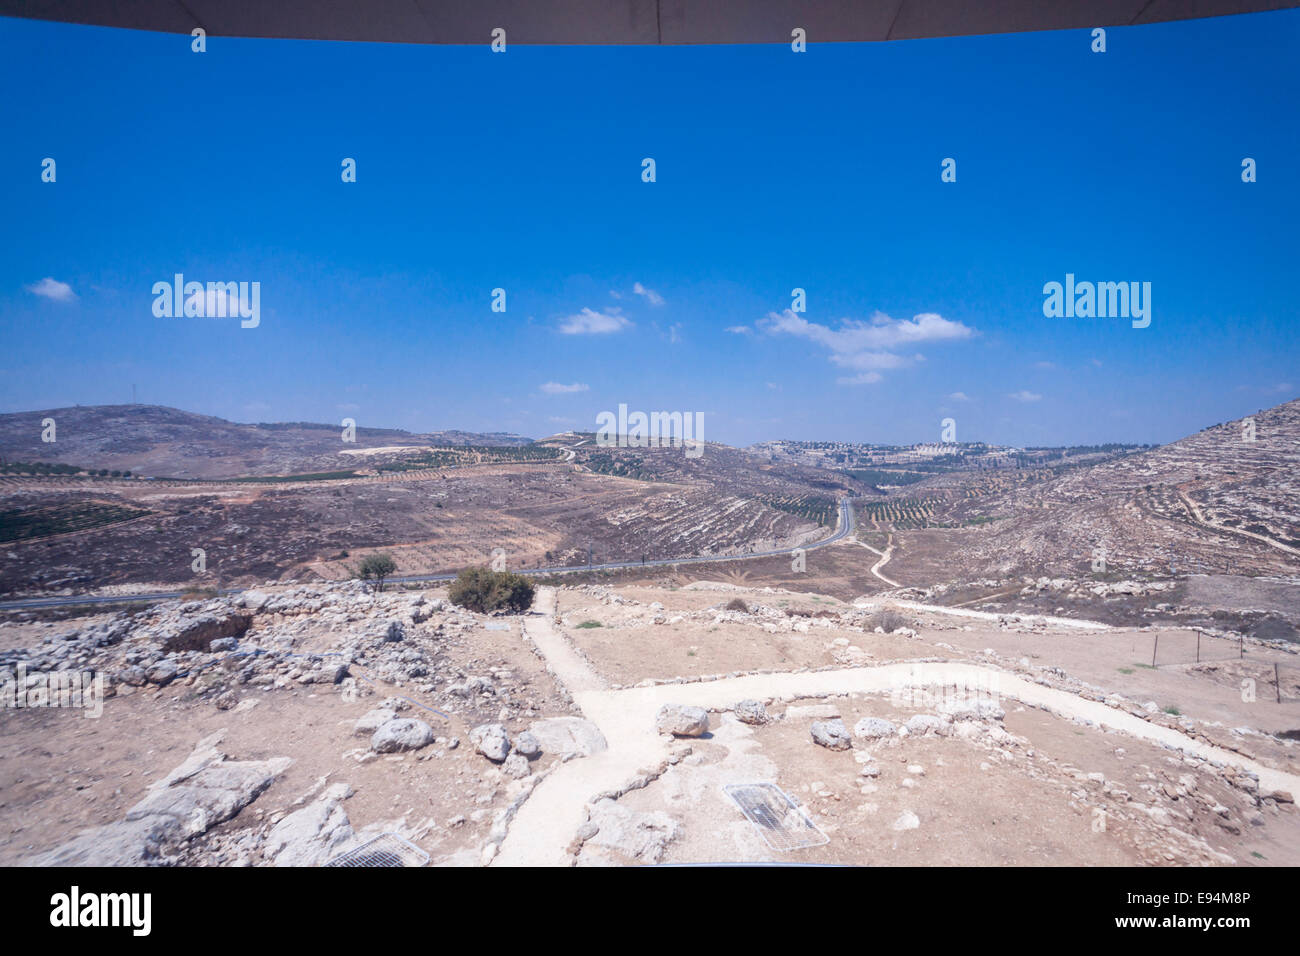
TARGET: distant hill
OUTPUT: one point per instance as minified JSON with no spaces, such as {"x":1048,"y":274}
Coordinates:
{"x":1214,"y":499}
{"x":167,"y":442}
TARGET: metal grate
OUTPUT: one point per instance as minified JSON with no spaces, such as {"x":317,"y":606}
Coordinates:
{"x":387,"y":849}
{"x":780,"y":821}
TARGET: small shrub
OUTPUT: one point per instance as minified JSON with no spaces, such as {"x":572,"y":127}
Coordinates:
{"x":736,"y":604}
{"x":484,"y":590}
{"x":590,"y":624}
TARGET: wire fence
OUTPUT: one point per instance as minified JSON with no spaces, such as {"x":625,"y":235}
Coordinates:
{"x":1272,"y":680}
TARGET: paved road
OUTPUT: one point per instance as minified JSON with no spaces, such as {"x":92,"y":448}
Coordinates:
{"x":843,"y":529}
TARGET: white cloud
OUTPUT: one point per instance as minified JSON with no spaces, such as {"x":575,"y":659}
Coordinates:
{"x":862,"y":378}
{"x":739,"y":330}
{"x":959,"y":397}
{"x":1282,"y":387}
{"x":588,"y":322}
{"x":651,"y":296}
{"x":865,"y":346}
{"x":870,"y":360}
{"x":1025,"y":396}
{"x":52,"y":289}
{"x":1045,"y":365}
{"x":555,"y":388}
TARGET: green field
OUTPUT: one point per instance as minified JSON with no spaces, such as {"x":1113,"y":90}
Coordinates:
{"x":474,"y":455}
{"x":22,"y":523}
{"x":814,"y":507}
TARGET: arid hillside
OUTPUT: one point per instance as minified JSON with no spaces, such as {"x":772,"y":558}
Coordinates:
{"x":1224,"y":499}
{"x":434,"y":508}
{"x":157,"y":441}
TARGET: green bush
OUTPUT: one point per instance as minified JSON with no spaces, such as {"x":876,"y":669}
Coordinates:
{"x":376,"y":567}
{"x":483,"y":590}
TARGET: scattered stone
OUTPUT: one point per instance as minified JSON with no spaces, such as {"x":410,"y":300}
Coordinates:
{"x":682,"y":721}
{"x":205,"y":790}
{"x":635,"y":836}
{"x":920,"y":725}
{"x":568,"y":735}
{"x":831,"y":734}
{"x":874,"y":728}
{"x":313,"y":835}
{"x":516,"y":766}
{"x":372,"y":720}
{"x":528,"y":745}
{"x":492,"y":741}
{"x":401,"y":733}
{"x":907,"y":820}
{"x":162,"y":673}
{"x":751,"y":712}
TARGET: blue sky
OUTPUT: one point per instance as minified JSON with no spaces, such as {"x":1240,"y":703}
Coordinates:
{"x":775,"y":170}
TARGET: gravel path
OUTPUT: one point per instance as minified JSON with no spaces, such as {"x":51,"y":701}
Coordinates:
{"x":545,"y":825}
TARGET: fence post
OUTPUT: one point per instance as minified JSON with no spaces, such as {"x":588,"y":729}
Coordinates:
{"x":1277,"y":681}
{"x":1154,"y":645}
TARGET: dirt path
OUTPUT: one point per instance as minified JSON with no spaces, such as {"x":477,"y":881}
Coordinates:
{"x":1224,"y":529}
{"x":991,"y":616}
{"x":545,"y":825}
{"x":884,"y":559}
{"x":570,"y":667}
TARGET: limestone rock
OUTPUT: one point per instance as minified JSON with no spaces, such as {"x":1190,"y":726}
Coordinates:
{"x":568,"y":735}
{"x":682,"y":721}
{"x":312,"y":835}
{"x":492,"y":741}
{"x":874,"y":728}
{"x":528,"y":745}
{"x":401,"y":733}
{"x":831,"y":734}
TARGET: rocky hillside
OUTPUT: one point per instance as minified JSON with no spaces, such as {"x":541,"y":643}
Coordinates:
{"x":1215,"y":500}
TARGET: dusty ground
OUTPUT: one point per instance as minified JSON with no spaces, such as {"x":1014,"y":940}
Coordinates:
{"x":61,"y":772}
{"x":975,"y":806}
{"x":1029,"y":788}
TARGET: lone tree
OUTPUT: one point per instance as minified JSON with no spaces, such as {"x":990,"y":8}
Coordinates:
{"x":483,"y":590}
{"x":375,"y":568}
